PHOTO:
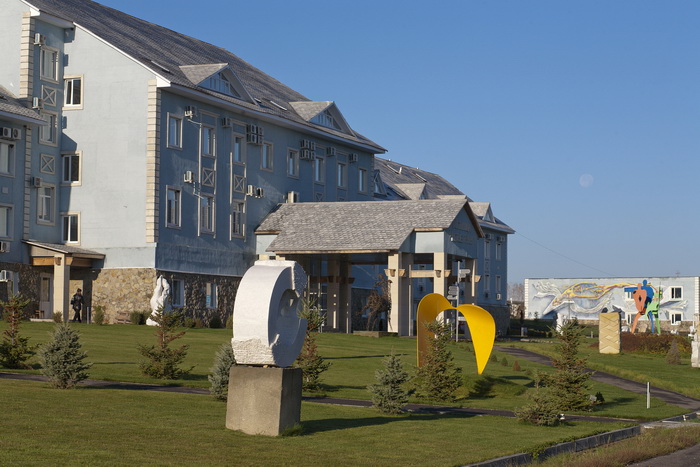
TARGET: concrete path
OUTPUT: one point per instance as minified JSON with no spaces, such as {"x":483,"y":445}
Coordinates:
{"x":683,"y":458}
{"x":665,"y":395}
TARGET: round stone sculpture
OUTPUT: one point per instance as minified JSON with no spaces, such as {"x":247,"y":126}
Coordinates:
{"x":266,"y":327}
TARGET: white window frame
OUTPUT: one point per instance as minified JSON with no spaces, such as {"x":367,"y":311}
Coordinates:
{"x":52,"y":73}
{"x":41,"y":216}
{"x":69,"y":94}
{"x":362,"y":180}
{"x":292,"y":163}
{"x":207,"y":214}
{"x":676,"y":318}
{"x":67,"y":158}
{"x":211,"y":295}
{"x":51,"y":127}
{"x":65,"y":235}
{"x":341,"y":175}
{"x":208,"y":145}
{"x":178,"y":288}
{"x":267,"y":157}
{"x":7,"y":155}
{"x":238,"y":209}
{"x":173,"y":210}
{"x":676,"y":293}
{"x":9,"y":224}
{"x":320,"y":170}
{"x":238,"y":149}
{"x":177,"y":142}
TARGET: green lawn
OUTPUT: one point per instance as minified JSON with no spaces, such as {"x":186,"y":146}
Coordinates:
{"x":90,"y":426}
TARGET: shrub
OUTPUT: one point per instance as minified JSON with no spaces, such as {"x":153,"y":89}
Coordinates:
{"x":139,"y":317}
{"x":599,"y":397}
{"x":62,"y":358}
{"x":542,"y":409}
{"x":494,"y":358}
{"x":439,"y":377}
{"x":310,"y":362}
{"x":57,"y":317}
{"x":223,"y":361}
{"x":569,"y":383}
{"x":389,"y":394}
{"x":516,"y":366}
{"x":673,"y":357}
{"x":163,"y":362}
{"x":215,"y":322}
{"x":229,"y":322}
{"x":14,"y":349}
{"x":658,"y":344}
{"x":98,"y":315}
{"x":504,"y":361}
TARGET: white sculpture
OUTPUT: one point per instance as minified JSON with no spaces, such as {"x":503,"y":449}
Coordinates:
{"x":159,"y":299}
{"x":266,"y":328}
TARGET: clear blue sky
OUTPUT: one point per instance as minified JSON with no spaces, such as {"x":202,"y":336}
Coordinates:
{"x":578,"y":120}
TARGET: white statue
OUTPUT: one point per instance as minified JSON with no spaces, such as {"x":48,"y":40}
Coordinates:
{"x":159,"y":300}
{"x":266,"y":327}
{"x":561,"y":321}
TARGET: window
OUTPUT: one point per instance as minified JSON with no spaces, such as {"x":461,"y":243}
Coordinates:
{"x":293,"y":163}
{"x":498,"y":284}
{"x":238,"y":149}
{"x":487,"y":284}
{"x":267,"y":157}
{"x":45,"y":203}
{"x":220,"y":83}
{"x":7,"y":156}
{"x":342,"y":180}
{"x":48,"y":134}
{"x":211,"y":295}
{"x":6,"y":221}
{"x":326,"y":119}
{"x":73,"y":92}
{"x":237,"y":219}
{"x":208,"y":141}
{"x":206,"y":214}
{"x":499,"y":251}
{"x":676,"y":318}
{"x":49,"y":64}
{"x":174,"y":132}
{"x":676,"y":293}
{"x":319,"y":170}
{"x":172,"y":208}
{"x":487,"y":250}
{"x":71,"y":168}
{"x":178,"y":293}
{"x":70,"y":228}
{"x":362,"y":180}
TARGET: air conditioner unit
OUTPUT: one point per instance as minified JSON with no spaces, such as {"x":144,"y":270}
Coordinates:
{"x":352,"y":158}
{"x":489,"y":236}
{"x":330,"y":151}
{"x":5,"y":275}
{"x":306,"y":154}
{"x":16,"y":133}
{"x":307,"y":144}
{"x":4,"y":247}
{"x":259,"y":192}
{"x":190,"y":111}
{"x":39,"y":39}
{"x":6,"y":132}
{"x":250,"y":191}
{"x":188,"y":177}
{"x":226,"y":122}
{"x":36,"y":182}
{"x":292,"y":196}
{"x":498,"y":296}
{"x":37,"y":103}
{"x":501,"y":238}
{"x":255,"y":134}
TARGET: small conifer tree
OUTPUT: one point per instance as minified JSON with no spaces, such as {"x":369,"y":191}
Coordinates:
{"x":14,"y":349}
{"x":389,"y":393}
{"x":223,"y":361}
{"x":504,"y":361}
{"x":569,"y":383}
{"x":62,"y":358}
{"x":309,"y":360}
{"x":439,"y":377}
{"x":673,"y":357}
{"x":516,"y":366}
{"x":163,"y":361}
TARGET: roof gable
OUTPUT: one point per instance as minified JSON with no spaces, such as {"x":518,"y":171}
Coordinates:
{"x":323,"y":113}
{"x":217,"y":77}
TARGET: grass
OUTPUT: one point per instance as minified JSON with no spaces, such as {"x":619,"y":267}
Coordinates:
{"x":652,"y":443}
{"x":91,"y":426}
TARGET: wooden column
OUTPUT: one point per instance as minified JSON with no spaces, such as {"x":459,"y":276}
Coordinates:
{"x":61,"y":287}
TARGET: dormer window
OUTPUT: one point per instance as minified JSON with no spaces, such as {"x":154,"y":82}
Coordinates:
{"x":219,"y":83}
{"x":326,"y":119}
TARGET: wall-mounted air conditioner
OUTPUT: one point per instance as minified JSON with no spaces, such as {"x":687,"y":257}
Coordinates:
{"x":307,"y":154}
{"x":4,"y":247}
{"x":36,"y":182}
{"x":39,"y":39}
{"x":5,"y":275}
{"x":259,"y":192}
{"x":498,"y":296}
{"x":352,"y":158}
{"x":190,"y":111}
{"x":37,"y":103}
{"x":250,"y":191}
{"x":292,"y":196}
{"x":6,"y":132}
{"x":330,"y":151}
{"x":188,"y":177}
{"x":226,"y":122}
{"x":16,"y":133}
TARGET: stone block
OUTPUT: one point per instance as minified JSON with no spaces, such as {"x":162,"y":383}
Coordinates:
{"x":609,"y":333}
{"x":263,"y":401}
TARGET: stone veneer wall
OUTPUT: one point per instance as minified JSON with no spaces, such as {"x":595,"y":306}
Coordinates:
{"x":118,"y":291}
{"x":28,"y":284}
{"x":196,"y":295}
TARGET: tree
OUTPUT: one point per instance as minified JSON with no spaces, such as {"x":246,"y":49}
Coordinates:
{"x":378,"y":302}
{"x":439,"y":377}
{"x":62,"y":358}
{"x":14,"y":349}
{"x":163,"y":360}
{"x":223,"y":361}
{"x":673,"y":357}
{"x":569,"y":383}
{"x":310,"y":362}
{"x":516,"y":291}
{"x":389,"y":394}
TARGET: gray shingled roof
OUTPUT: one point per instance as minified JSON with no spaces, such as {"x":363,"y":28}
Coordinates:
{"x":66,"y":249}
{"x":9,"y":104}
{"x":400,"y":176}
{"x":355,"y":226}
{"x":165,"y":51}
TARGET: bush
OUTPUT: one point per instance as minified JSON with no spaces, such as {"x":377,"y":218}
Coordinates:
{"x":62,"y":358}
{"x":389,"y":394}
{"x":504,"y":361}
{"x":494,"y":358}
{"x":673,"y":357}
{"x":14,"y":349}
{"x":542,"y":409}
{"x":223,"y":361}
{"x":139,"y":317}
{"x":310,"y":362}
{"x":516,"y":366}
{"x":439,"y":377}
{"x":98,"y":315}
{"x":658,"y":344}
{"x":215,"y":322}
{"x":163,"y":362}
{"x":599,"y":397}
{"x":57,"y":317}
{"x":229,"y":322}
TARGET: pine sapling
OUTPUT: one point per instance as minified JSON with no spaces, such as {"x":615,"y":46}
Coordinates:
{"x":223,"y":361}
{"x":311,"y":363}
{"x":162,"y":360}
{"x":439,"y":377}
{"x":389,"y":394}
{"x":14,"y":349}
{"x":62,"y":358}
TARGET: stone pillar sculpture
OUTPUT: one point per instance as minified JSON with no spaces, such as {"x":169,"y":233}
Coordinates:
{"x":609,"y":333}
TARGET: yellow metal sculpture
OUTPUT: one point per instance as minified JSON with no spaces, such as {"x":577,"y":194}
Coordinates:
{"x":480,"y":322}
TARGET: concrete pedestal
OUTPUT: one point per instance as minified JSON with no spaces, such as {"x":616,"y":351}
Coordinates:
{"x":263,"y":401}
{"x":695,"y":355}
{"x":609,"y":333}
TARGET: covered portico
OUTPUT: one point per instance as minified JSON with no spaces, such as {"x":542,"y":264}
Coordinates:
{"x":58,"y":260}
{"x":408,"y":240}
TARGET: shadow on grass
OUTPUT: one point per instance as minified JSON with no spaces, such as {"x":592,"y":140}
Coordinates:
{"x":331,"y":424}
{"x":358,"y":356}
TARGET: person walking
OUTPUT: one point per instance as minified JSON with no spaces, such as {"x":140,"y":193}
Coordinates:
{"x":77,"y":304}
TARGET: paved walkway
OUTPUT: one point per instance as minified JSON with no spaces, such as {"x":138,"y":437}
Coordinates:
{"x":665,"y":395}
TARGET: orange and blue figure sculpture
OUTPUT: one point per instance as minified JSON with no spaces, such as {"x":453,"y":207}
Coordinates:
{"x":647,"y":303}
{"x":480,"y":322}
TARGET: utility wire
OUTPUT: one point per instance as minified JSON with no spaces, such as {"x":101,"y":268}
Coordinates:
{"x":563,"y":255}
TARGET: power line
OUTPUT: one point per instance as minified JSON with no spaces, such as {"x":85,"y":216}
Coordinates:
{"x":563,"y":255}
